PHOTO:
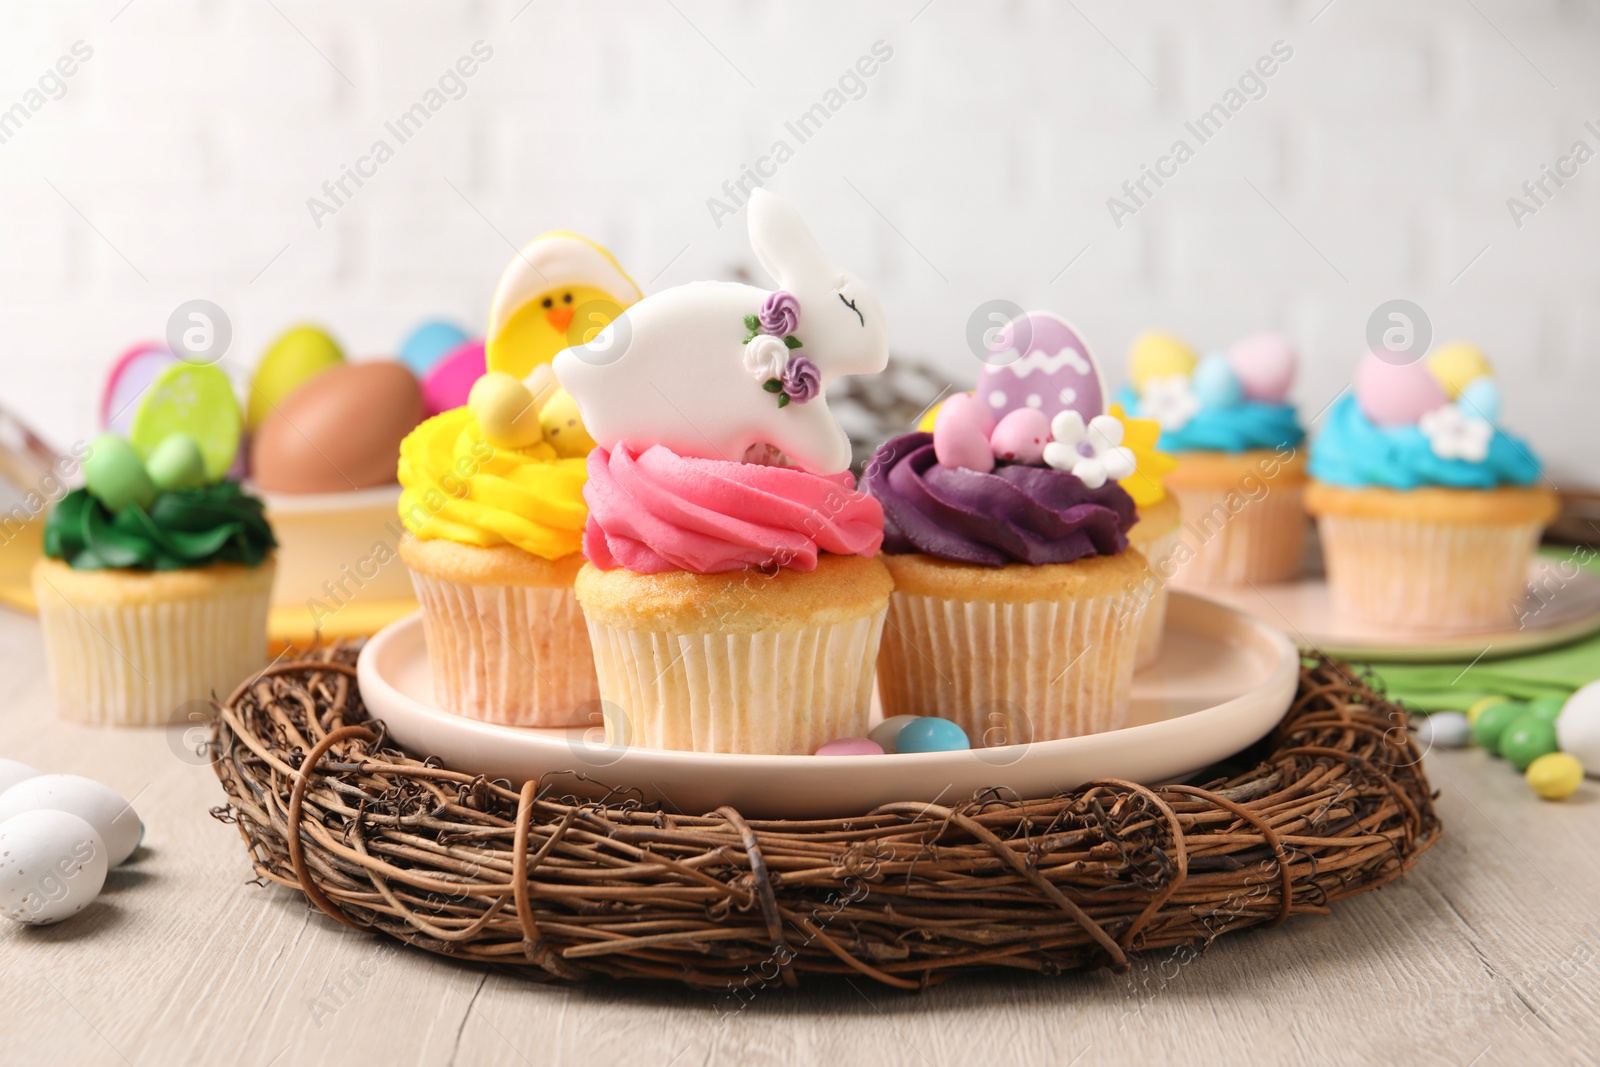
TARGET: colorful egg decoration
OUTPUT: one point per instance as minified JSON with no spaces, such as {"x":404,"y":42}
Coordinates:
{"x":429,"y":343}
{"x":129,"y":382}
{"x":340,"y":432}
{"x":296,"y":357}
{"x":447,"y":386}
{"x":1055,"y":374}
{"x":1392,"y":394}
{"x":1159,"y":355}
{"x":197,"y":400}
{"x":1264,"y":364}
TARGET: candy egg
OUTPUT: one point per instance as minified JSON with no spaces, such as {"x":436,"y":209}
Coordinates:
{"x":1482,"y":398}
{"x":1021,"y":436}
{"x":1396,"y":394}
{"x":1578,"y":727}
{"x":52,"y":866}
{"x":115,"y":475}
{"x":1556,"y":775}
{"x":1487,"y":702}
{"x":1547,"y":708}
{"x":176,"y":463}
{"x":1444,"y":729}
{"x":339,"y":432}
{"x":505,"y":411}
{"x":429,"y":343}
{"x":447,"y":386}
{"x":196,"y":399}
{"x":290,"y":362}
{"x":930,"y":734}
{"x":885,"y":732}
{"x":1159,"y":355}
{"x":98,"y":805}
{"x":851,"y":746}
{"x":1454,"y":366}
{"x":563,"y":426}
{"x":12,"y":772}
{"x":961,"y":434}
{"x":1264,"y":364}
{"x":1526,"y":740}
{"x":1492,"y":722}
{"x":1215,"y":383}
{"x":128,"y":383}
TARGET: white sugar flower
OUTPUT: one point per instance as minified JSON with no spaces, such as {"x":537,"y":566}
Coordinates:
{"x":1170,"y":401}
{"x":766,"y":357}
{"x":1452,"y":433}
{"x":1093,"y":453}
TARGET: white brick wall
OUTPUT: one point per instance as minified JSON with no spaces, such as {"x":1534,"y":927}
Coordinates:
{"x":989,"y":143}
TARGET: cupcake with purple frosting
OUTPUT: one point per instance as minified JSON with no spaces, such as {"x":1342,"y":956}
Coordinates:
{"x":1018,"y":601}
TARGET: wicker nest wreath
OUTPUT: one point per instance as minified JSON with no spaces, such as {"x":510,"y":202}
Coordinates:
{"x":1332,"y":804}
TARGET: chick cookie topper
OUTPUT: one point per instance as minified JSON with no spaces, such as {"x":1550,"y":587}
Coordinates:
{"x":710,"y":369}
{"x":560,"y":289}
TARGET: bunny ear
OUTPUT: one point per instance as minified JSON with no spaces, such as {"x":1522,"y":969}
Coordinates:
{"x":782,"y":241}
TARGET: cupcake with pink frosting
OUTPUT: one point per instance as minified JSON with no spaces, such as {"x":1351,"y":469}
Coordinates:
{"x":732,"y":594}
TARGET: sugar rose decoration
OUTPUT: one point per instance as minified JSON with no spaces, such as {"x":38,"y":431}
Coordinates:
{"x":767,"y":349}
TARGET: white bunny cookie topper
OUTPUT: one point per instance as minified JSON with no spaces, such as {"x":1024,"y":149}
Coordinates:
{"x":709,"y":369}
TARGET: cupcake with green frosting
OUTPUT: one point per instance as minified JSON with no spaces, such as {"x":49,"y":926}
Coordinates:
{"x":155,"y":584}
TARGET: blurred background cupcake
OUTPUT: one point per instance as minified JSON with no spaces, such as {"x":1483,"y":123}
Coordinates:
{"x":732,"y":599}
{"x":1429,"y":513}
{"x":1018,"y":603}
{"x":1240,"y":477}
{"x":157,"y":575}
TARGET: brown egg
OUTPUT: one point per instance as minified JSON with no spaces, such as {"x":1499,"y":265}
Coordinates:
{"x":339,"y":432}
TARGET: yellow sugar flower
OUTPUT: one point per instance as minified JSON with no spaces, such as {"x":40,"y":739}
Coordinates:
{"x":1140,"y":436}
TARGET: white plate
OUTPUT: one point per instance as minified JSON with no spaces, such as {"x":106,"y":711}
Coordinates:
{"x":1224,"y":680}
{"x":1561,"y":605}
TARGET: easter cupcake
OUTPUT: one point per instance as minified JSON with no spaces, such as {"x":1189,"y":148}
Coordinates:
{"x":1428,"y":513}
{"x":496,"y":514}
{"x":1018,"y":602}
{"x":732,"y":597}
{"x":155,"y":583}
{"x":1240,"y":479}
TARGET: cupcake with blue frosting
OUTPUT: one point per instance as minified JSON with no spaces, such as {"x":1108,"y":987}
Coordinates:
{"x":1429,"y":513}
{"x":1240,"y":476}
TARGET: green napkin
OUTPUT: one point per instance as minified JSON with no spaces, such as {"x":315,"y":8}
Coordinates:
{"x":1457,"y":686}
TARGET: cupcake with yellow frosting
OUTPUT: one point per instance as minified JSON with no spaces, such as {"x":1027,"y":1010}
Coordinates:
{"x":494,"y":501}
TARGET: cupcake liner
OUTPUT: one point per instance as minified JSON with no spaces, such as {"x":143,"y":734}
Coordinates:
{"x":1008,"y":671}
{"x":1155,"y":612}
{"x":508,"y":654}
{"x":773,"y":692}
{"x":1433,"y":576}
{"x":1262,"y":541}
{"x":137,"y":662}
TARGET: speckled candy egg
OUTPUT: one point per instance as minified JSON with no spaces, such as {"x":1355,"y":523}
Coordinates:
{"x":102,"y":807}
{"x":12,"y":772}
{"x":961,"y":434}
{"x":1055,"y":373}
{"x":1396,"y":394}
{"x":1020,"y":437}
{"x":52,"y":866}
{"x":340,"y":432}
{"x":1264,"y":363}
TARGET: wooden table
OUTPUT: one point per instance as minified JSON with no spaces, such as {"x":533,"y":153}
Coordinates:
{"x":1489,"y":952}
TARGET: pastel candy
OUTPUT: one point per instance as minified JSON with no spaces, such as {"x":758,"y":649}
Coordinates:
{"x":1055,"y":373}
{"x":429,"y":343}
{"x":961,"y":434}
{"x":1444,"y":729}
{"x":448,"y":385}
{"x":1578,"y":727}
{"x":1481,"y":398}
{"x":1455,"y":366}
{"x":1215,"y":383}
{"x":1555,"y":775}
{"x":929,"y":734}
{"x":1396,"y":394}
{"x":129,"y":382}
{"x":1264,"y":363}
{"x":885,"y":732}
{"x":114,"y":474}
{"x":506,"y":413}
{"x":1159,"y":355}
{"x":851,"y":746}
{"x":176,"y":463}
{"x":1021,"y":436}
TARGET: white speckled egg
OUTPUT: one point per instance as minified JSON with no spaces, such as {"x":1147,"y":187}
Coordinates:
{"x":52,"y":866}
{"x":98,"y":805}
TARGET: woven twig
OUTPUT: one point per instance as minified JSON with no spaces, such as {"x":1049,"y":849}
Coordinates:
{"x":906,"y":894}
